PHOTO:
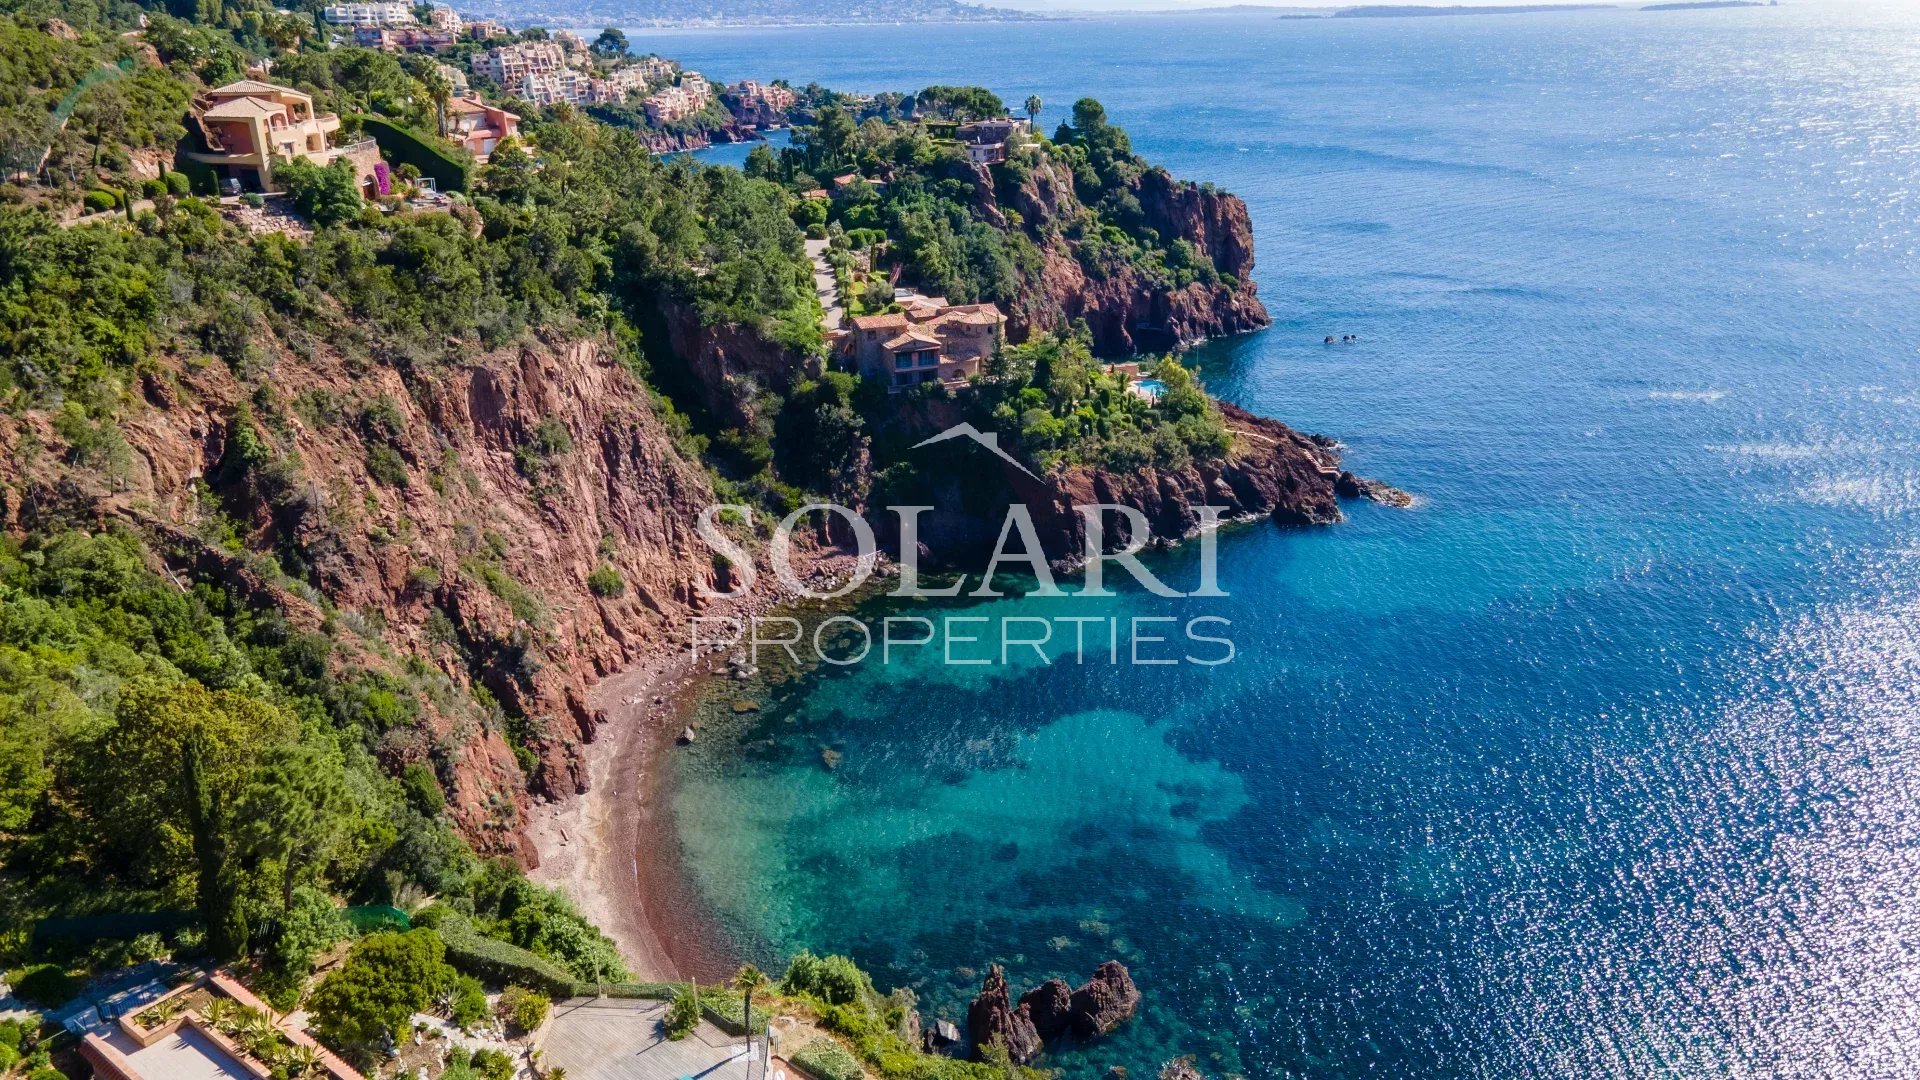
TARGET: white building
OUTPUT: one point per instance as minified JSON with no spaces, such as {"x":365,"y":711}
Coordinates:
{"x":553,"y":87}
{"x":372,"y":16}
{"x":445,"y":18}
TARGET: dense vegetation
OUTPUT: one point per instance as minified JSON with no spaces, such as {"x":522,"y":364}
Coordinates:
{"x":164,"y":749}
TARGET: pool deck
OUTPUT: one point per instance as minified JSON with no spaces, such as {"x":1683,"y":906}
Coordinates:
{"x":620,"y":1039}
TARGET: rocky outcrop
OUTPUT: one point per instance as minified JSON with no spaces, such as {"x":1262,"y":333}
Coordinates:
{"x":992,"y":1018}
{"x":723,"y":365}
{"x":675,"y":142}
{"x":1271,"y":471}
{"x":1181,"y":1069}
{"x":1128,"y":309}
{"x":1350,"y":486}
{"x":1049,"y":1011}
{"x":1050,"y":1006}
{"x":1103,"y":1002}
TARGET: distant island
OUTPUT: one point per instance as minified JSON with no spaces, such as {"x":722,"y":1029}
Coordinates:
{"x":664,"y":13}
{"x":1401,"y":11}
{"x":1701,"y":5}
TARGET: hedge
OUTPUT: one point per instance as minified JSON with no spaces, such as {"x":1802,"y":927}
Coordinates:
{"x":403,"y":147}
{"x":201,"y":177}
{"x":827,"y":1060}
{"x":501,"y":962}
{"x":124,"y":926}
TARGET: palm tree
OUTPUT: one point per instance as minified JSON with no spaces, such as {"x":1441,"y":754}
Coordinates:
{"x":748,"y":980}
{"x":1034,"y":105}
{"x":439,"y":88}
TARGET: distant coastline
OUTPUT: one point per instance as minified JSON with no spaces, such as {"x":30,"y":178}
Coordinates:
{"x":1707,"y":5}
{"x":1405,"y":11}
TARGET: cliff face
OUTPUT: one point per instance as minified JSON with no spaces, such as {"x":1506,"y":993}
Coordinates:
{"x":1127,"y":308}
{"x":450,"y":520}
{"x":722,"y":364}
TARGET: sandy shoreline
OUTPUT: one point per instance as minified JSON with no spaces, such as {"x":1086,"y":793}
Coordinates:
{"x":612,"y":850}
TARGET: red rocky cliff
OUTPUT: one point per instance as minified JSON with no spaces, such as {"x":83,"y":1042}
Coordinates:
{"x":1129,"y":309}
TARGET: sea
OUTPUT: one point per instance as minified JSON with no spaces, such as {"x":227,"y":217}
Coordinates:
{"x":1603,"y":759}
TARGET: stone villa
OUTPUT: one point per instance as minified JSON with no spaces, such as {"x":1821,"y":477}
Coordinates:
{"x":931,"y":340}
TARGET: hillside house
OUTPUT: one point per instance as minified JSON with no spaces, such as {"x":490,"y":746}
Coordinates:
{"x":929,"y":341}
{"x":247,"y":125}
{"x":479,"y":127}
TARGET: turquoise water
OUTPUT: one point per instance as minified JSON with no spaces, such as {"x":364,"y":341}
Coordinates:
{"x":1602,"y":760}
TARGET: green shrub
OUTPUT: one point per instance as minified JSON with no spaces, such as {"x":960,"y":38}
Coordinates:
{"x":493,"y":1065}
{"x":606,"y":581}
{"x":423,"y":578}
{"x":386,"y":466}
{"x":386,"y":979}
{"x":423,"y":792}
{"x":324,"y":194}
{"x":523,"y":1008}
{"x":9,"y":1057}
{"x":469,"y":1004}
{"x":178,"y":184}
{"x":835,"y":980}
{"x":100,"y":199}
{"x":45,"y":984}
{"x":46,"y":1072}
{"x":683,"y":1014}
{"x":827,"y":1060}
{"x":152,"y":189}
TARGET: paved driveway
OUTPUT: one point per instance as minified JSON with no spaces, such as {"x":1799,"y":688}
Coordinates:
{"x":823,"y":285}
{"x":620,"y":1039}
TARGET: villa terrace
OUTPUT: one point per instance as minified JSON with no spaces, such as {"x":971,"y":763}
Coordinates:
{"x":211,"y":1028}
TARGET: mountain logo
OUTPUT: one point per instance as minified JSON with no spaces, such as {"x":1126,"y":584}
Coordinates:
{"x":988,"y":439}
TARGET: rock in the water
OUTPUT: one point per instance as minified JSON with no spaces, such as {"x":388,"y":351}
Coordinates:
{"x":941,"y":1037}
{"x":1050,"y":1006}
{"x":992,"y":1016}
{"x":686,"y":735}
{"x":1103,"y":1002}
{"x":1350,"y":486}
{"x":1181,"y":1069}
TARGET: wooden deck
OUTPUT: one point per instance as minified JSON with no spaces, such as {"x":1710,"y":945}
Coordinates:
{"x":620,"y":1039}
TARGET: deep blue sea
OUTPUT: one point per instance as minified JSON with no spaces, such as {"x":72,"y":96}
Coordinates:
{"x":1604,"y":760}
